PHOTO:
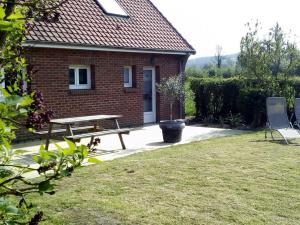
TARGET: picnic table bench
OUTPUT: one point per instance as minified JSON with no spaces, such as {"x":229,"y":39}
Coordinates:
{"x":91,"y":131}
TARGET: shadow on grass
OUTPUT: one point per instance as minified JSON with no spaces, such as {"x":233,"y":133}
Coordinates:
{"x":27,"y":159}
{"x":277,"y":141}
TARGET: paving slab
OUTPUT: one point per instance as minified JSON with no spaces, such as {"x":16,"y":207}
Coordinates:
{"x":147,"y":138}
{"x":142,"y":139}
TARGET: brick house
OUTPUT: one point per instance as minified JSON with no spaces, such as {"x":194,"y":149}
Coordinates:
{"x":104,"y":57}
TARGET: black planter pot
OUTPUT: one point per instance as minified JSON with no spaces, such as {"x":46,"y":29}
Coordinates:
{"x":172,"y":130}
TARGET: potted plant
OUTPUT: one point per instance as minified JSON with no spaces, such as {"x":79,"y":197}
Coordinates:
{"x":172,"y":89}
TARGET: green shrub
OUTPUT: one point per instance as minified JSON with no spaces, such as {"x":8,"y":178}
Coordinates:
{"x":216,"y":98}
{"x":252,"y":105}
{"x":190,"y":107}
{"x":234,"y":120}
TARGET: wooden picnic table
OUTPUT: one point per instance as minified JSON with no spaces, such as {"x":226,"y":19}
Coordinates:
{"x":69,"y":129}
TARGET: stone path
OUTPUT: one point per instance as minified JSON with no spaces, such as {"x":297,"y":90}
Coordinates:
{"x":143,"y":139}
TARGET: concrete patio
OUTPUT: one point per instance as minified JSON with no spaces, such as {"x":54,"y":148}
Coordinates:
{"x":142,"y":139}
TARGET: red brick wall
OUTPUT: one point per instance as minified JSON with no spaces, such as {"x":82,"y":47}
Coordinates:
{"x":108,"y":95}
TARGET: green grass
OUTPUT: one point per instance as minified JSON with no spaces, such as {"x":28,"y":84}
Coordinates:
{"x":235,"y":180}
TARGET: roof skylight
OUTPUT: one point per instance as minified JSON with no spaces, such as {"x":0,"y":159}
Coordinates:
{"x":112,"y":7}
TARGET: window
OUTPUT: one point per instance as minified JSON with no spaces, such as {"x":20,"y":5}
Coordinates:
{"x":79,"y":77}
{"x":112,"y":7}
{"x":127,"y":76}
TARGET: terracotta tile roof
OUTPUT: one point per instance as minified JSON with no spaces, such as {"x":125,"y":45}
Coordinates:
{"x":83,"y":23}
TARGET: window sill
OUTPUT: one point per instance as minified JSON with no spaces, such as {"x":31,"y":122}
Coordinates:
{"x":82,"y":92}
{"x":130,"y":90}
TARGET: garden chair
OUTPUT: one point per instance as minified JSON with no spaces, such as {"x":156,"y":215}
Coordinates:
{"x":278,"y":119}
{"x":297,"y":112}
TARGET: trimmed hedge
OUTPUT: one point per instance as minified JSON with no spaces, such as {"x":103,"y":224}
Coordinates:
{"x":217,"y":98}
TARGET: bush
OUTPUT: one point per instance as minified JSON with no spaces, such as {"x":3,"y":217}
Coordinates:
{"x":189,"y":102}
{"x":252,"y":105}
{"x":217,"y":98}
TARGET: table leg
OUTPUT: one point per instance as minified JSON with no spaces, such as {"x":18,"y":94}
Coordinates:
{"x":69,"y":129}
{"x":120,"y":135}
{"x":95,"y":129}
{"x":122,"y":142}
{"x":48,"y":136}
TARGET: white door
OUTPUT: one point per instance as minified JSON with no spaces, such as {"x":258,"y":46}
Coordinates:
{"x":149,"y":95}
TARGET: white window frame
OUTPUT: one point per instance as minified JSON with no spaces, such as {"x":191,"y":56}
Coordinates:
{"x":78,"y":86}
{"x":129,"y":84}
{"x":112,"y":7}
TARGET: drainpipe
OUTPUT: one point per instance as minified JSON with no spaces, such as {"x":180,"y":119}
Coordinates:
{"x":182,"y":66}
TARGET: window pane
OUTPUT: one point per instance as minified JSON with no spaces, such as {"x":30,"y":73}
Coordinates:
{"x":83,"y":76}
{"x":148,"y":93}
{"x":126,"y":75}
{"x":71,"y":76}
{"x":112,"y":7}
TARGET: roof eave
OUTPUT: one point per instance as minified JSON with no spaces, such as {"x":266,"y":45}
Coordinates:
{"x":41,"y":44}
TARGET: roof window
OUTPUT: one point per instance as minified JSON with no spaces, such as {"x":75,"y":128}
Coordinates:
{"x":112,"y":7}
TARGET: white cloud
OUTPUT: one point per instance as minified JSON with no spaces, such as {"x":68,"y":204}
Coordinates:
{"x":207,"y":23}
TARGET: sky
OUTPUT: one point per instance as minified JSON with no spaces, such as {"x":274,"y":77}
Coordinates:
{"x":208,"y":23}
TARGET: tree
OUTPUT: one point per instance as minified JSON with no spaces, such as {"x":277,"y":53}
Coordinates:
{"x":16,"y":18}
{"x":253,"y":58}
{"x":219,"y":56}
{"x":172,"y":89}
{"x":267,"y":58}
{"x":267,"y":61}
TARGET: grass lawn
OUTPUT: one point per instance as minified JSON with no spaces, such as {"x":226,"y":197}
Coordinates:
{"x":235,"y":180}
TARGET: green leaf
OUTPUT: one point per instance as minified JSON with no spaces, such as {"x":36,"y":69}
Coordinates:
{"x":52,"y":155}
{"x":42,"y":147}
{"x":45,"y":186}
{"x":71,"y":145}
{"x":6,"y":25}
{"x":5,"y":92}
{"x":38,"y":159}
{"x":2,"y":12}
{"x":16,"y":16}
{"x":94,"y":160}
{"x":65,"y":173}
{"x":23,"y":111}
{"x":12,"y":210}
{"x":83,"y":150}
{"x":5,"y":173}
{"x":25,"y":101}
{"x":59,"y":149}
{"x":19,"y":152}
{"x":6,"y":143}
{"x":68,"y":151}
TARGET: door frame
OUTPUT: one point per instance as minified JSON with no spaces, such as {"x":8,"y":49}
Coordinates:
{"x":153,"y":95}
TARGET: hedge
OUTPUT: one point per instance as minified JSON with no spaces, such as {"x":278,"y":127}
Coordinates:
{"x":217,"y":98}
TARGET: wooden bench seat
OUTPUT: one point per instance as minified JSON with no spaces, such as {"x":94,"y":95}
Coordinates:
{"x":101,"y":133}
{"x":62,"y":130}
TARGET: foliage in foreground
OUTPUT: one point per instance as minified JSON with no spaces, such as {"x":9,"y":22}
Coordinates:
{"x":20,"y":103}
{"x":14,"y":186}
